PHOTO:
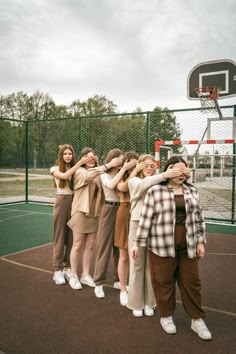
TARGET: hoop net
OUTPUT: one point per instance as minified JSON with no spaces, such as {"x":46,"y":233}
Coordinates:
{"x":208,"y":96}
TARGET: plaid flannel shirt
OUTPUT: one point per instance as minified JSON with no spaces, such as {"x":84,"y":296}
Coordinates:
{"x":157,"y":222}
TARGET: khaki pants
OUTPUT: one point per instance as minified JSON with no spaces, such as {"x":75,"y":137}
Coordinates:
{"x":62,"y":234}
{"x":140,"y":286}
{"x":166,"y":271}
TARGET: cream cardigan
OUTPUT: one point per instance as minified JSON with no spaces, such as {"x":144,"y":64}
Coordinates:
{"x":137,"y":189}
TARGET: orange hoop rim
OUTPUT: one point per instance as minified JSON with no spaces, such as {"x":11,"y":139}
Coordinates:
{"x":208,"y":92}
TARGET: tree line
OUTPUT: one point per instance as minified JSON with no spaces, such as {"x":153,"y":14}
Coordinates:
{"x":95,"y":122}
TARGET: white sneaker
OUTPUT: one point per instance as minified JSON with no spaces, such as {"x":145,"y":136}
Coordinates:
{"x":116,"y":285}
{"x":75,"y":283}
{"x":67,"y":274}
{"x":99,"y":291}
{"x":123,"y":298}
{"x":168,"y":325}
{"x":199,"y":327}
{"x":58,"y":277}
{"x":138,"y":313}
{"x":148,"y":311}
{"x":87,"y":280}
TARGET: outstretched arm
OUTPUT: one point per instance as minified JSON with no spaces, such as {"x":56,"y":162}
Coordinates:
{"x":123,"y":186}
{"x":116,"y":179}
{"x":113,"y":163}
{"x":65,"y":175}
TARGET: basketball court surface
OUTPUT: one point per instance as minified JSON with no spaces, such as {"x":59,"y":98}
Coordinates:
{"x":38,"y":316}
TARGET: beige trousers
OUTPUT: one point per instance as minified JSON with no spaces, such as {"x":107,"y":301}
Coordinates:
{"x":140,"y":286}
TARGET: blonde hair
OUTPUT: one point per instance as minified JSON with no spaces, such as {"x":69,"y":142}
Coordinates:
{"x":143,"y":158}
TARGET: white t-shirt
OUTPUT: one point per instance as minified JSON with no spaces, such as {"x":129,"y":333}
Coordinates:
{"x":66,"y":190}
{"x":111,"y":195}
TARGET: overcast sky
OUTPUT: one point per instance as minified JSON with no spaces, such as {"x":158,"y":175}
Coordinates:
{"x":137,"y":53}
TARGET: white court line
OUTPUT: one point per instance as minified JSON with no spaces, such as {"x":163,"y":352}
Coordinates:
{"x":221,"y":254}
{"x":214,"y":310}
{"x":10,"y":204}
{"x":26,"y":266}
{"x":26,"y":211}
{"x":50,"y":272}
{"x":26,"y":250}
{"x":6,"y":211}
{"x":218,"y":224}
{"x":17,"y":216}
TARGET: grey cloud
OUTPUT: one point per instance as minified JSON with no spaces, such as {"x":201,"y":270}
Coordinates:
{"x":133,"y":51}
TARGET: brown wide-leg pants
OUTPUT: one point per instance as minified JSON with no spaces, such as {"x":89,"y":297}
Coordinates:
{"x":105,"y":245}
{"x":62,"y":234}
{"x":165,"y":271}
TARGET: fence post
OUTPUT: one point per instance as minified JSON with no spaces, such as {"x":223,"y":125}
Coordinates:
{"x":80,"y":136}
{"x":233,"y":173}
{"x":26,"y":161}
{"x":147,"y":132}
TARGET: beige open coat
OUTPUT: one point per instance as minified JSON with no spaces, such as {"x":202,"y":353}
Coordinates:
{"x":85,"y":182}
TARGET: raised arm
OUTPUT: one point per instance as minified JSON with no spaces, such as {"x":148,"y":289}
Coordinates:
{"x":104,"y":168}
{"x":69,"y":173}
{"x":138,"y":186}
{"x":116,"y":179}
{"x":122,"y":186}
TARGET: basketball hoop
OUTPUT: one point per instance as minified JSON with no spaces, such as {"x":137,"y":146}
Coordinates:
{"x":208,"y":96}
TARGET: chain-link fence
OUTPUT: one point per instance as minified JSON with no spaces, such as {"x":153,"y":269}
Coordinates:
{"x":30,"y":148}
{"x":212,"y":173}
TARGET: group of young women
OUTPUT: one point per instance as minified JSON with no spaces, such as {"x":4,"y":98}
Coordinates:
{"x":152,"y":224}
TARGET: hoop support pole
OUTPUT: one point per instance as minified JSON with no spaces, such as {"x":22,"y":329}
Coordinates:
{"x":218,"y":109}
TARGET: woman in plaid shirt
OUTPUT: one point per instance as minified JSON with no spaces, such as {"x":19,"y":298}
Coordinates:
{"x":141,"y":299}
{"x":172,"y":227}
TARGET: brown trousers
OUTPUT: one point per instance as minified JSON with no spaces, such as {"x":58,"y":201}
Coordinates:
{"x":105,"y":245}
{"x":62,"y":234}
{"x":165,"y":271}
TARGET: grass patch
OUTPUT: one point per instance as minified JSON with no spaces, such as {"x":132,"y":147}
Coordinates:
{"x":40,"y":187}
{"x":3,"y":175}
{"x":11,"y":189}
{"x":44,"y":188}
{"x":40,"y":171}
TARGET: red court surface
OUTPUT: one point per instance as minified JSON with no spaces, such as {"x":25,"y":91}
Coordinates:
{"x":37,"y":316}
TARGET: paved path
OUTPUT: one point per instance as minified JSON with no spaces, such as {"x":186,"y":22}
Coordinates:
{"x":20,"y":176}
{"x":214,"y":205}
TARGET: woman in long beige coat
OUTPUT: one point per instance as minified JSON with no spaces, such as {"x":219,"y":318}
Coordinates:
{"x":86,"y":208}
